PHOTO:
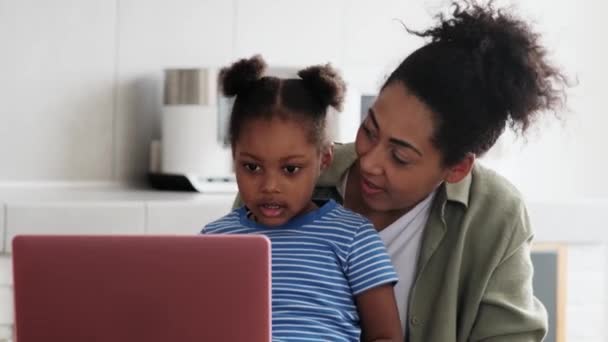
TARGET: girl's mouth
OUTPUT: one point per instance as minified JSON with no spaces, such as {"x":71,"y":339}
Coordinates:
{"x":271,"y":209}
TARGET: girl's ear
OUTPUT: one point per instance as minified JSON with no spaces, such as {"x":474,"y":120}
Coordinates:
{"x":327,"y":155}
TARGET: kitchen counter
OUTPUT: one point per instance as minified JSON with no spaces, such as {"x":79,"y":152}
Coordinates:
{"x":120,"y":209}
{"x":104,"y":209}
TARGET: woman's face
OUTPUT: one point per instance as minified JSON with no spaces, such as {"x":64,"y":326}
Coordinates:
{"x":399,"y":165}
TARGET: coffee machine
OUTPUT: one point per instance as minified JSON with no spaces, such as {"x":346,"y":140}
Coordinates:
{"x":192,"y":154}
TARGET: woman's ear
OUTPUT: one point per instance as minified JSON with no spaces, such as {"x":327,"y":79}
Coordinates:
{"x":327,"y":155}
{"x":461,"y":169}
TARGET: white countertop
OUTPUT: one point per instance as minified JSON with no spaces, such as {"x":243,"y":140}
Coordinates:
{"x":122,"y":209}
{"x":104,"y":209}
{"x":97,"y":192}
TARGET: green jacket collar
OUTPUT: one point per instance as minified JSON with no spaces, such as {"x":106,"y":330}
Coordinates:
{"x":344,"y":157}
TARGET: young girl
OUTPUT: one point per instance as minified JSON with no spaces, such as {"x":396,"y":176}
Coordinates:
{"x":332,"y":279}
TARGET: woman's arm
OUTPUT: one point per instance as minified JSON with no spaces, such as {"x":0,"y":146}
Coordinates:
{"x":379,"y":315}
{"x":508,"y":310}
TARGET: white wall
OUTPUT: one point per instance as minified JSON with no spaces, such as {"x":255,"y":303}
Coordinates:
{"x":57,"y":82}
{"x":565,"y":159}
{"x":81,"y":80}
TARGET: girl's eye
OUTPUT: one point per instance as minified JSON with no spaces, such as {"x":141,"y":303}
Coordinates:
{"x":291,"y":169}
{"x":251,"y":167}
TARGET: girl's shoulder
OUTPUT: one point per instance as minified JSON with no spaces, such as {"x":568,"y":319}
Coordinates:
{"x":224,"y":223}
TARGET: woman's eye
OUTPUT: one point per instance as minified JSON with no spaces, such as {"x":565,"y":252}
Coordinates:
{"x":400,"y":160}
{"x":368,"y":132}
{"x":251,"y":167}
{"x":291,"y":169}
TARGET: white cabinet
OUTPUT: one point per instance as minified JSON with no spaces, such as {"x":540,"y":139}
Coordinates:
{"x":74,"y":218}
{"x":2,"y":229}
{"x":187,"y":218}
{"x":103,"y":210}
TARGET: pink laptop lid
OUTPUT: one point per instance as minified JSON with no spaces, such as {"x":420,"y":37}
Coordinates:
{"x":142,"y":288}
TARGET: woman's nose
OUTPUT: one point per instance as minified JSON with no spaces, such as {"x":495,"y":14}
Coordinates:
{"x":370,"y":161}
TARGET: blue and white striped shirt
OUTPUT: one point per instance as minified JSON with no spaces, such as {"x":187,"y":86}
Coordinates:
{"x":320,"y":261}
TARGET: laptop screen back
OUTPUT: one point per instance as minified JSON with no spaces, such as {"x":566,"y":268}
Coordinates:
{"x":142,"y":288}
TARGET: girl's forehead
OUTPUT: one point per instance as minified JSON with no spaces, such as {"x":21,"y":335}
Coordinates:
{"x":293,"y":122}
{"x":276,"y":121}
{"x":275,"y":136}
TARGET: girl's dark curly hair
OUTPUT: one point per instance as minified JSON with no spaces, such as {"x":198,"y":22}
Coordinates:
{"x":482,"y":70}
{"x":305,"y":99}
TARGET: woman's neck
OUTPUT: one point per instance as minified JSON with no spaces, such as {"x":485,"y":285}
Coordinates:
{"x":354,"y":201}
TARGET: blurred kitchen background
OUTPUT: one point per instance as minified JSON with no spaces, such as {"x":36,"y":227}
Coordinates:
{"x":82,"y":94}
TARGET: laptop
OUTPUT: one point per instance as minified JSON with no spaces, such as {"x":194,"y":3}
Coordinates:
{"x":142,"y":288}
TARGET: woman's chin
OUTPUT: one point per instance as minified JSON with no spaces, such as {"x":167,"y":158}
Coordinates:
{"x":376,"y":203}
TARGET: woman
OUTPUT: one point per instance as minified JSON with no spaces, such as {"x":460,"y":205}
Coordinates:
{"x":458,"y":233}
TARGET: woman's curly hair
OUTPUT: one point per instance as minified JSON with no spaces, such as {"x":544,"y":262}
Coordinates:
{"x":483,"y":70}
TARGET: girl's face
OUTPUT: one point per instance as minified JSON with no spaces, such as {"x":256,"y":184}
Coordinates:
{"x":398,"y":163}
{"x":277,"y":168}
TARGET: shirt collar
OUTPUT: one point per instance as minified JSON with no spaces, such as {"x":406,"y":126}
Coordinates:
{"x":459,"y":192}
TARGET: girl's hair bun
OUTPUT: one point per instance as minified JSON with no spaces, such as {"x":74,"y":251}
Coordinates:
{"x":326,"y":83}
{"x":241,"y":75}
